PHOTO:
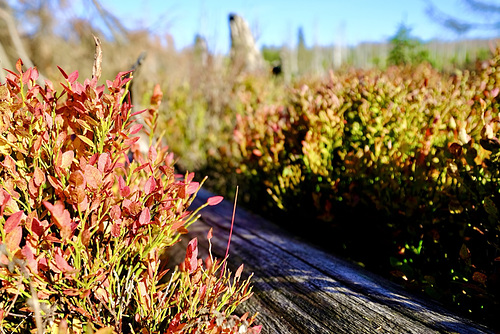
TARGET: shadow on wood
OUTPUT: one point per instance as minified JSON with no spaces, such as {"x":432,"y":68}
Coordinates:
{"x":301,"y":289}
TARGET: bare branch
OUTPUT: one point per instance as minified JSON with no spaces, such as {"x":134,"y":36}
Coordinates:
{"x":462,"y":26}
{"x":481,"y":6}
{"x":118,"y":31}
{"x":16,"y":40}
{"x":96,"y":69}
{"x":4,"y":62}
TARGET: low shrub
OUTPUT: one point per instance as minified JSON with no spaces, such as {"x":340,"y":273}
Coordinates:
{"x":85,"y":219}
{"x":397,"y":167}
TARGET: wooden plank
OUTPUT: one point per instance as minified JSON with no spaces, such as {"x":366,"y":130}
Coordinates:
{"x":301,"y":289}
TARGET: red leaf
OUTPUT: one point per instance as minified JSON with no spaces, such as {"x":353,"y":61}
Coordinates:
{"x":72,"y":77}
{"x":4,"y":199}
{"x":93,"y":177}
{"x":39,"y":176}
{"x":203,"y":290}
{"x":208,"y":262}
{"x":137,"y":112}
{"x":60,"y":217}
{"x":192,"y":188}
{"x":152,"y":154}
{"x":30,"y":258}
{"x":63,"y":73}
{"x":237,"y":275}
{"x":38,"y":143}
{"x":26,"y":76}
{"x":67,"y":159}
{"x":150,"y":185}
{"x":32,"y":189}
{"x":494,"y":92}
{"x":177,"y":225}
{"x":93,"y":159}
{"x":19,"y":65}
{"x":134,"y":129}
{"x":13,"y":221}
{"x":13,"y":239}
{"x":191,"y":260}
{"x":115,"y":212}
{"x":255,"y":329}
{"x":145,"y":217}
{"x":62,"y":264}
{"x":169,"y":159}
{"x":103,"y":162}
{"x":115,"y":229}
{"x":124,"y":189}
{"x":157,"y":95}
{"x":34,"y":74}
{"x":464,"y":252}
{"x":77,"y":179}
{"x":257,"y":152}
{"x":70,"y":292}
{"x":214,"y":200}
{"x":55,"y":183}
{"x":141,"y":167}
{"x":37,"y":227}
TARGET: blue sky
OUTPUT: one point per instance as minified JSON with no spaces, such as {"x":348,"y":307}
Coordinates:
{"x":276,"y":22}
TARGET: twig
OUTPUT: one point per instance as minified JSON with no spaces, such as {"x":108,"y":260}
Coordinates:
{"x":230,"y":232}
{"x":16,"y":40}
{"x":96,"y":69}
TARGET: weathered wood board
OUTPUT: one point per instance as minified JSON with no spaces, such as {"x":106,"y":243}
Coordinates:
{"x":301,"y":289}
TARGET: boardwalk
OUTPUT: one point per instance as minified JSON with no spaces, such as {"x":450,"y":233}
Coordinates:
{"x":301,"y":289}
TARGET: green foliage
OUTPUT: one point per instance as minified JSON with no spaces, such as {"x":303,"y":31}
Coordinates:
{"x":84,"y":230}
{"x":405,"y":49}
{"x":401,"y":163}
{"x":271,"y":55}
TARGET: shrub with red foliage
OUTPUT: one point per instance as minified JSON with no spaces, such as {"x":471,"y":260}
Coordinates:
{"x":82,"y":227}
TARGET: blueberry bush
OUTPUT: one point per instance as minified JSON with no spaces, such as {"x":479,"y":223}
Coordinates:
{"x":86,"y":219}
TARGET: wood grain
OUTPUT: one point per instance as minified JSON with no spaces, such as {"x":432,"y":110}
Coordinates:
{"x":301,"y":289}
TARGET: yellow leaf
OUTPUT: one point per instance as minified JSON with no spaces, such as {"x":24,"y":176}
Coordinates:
{"x":105,"y":330}
{"x":86,"y":141}
{"x":4,"y":93}
{"x":84,"y":125}
{"x":5,"y":147}
{"x":67,"y":159}
{"x":92,"y":122}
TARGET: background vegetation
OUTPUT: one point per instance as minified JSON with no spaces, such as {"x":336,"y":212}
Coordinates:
{"x":392,"y":156}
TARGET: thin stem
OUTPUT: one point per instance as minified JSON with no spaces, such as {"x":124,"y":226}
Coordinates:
{"x":230,"y":232}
